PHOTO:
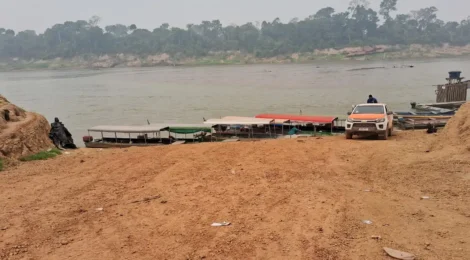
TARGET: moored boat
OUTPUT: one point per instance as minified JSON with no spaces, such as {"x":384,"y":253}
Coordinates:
{"x":145,"y":135}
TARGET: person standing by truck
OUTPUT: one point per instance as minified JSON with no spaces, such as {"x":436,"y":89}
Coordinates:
{"x":372,"y":100}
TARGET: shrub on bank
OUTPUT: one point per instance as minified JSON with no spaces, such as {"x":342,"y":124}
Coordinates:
{"x":42,"y":155}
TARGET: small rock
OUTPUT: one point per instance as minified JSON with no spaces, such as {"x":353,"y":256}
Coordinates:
{"x":4,"y":228}
{"x":376,"y":237}
{"x":425,"y":197}
{"x":82,"y":161}
{"x":64,"y":242}
{"x":163,"y":202}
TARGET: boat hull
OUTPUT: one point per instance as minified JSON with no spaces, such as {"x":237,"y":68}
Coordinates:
{"x":118,"y":145}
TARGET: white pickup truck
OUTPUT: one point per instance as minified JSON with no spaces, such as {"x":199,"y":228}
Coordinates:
{"x":370,"y":119}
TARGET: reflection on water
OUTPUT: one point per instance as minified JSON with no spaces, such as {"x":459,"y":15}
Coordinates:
{"x":83,"y":98}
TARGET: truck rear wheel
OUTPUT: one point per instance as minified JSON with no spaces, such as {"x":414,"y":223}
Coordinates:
{"x":390,"y":131}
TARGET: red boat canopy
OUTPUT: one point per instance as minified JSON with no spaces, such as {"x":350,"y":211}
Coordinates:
{"x":297,"y":118}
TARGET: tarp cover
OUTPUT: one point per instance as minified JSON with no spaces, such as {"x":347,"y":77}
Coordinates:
{"x":128,"y":129}
{"x":298,"y":118}
{"x":189,"y":128}
{"x":237,"y":120}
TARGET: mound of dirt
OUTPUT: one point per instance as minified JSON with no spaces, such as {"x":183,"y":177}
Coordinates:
{"x":456,"y":134}
{"x":21,"y":133}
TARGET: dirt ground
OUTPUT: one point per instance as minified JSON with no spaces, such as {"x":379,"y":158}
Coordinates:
{"x":285,"y":199}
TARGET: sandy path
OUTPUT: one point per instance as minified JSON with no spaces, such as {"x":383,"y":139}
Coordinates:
{"x":286,"y":199}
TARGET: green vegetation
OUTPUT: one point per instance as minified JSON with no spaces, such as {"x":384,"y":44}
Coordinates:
{"x":42,"y":155}
{"x":359,"y":25}
{"x":1,"y":164}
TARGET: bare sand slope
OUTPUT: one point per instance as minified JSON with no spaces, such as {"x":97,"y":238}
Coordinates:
{"x":286,"y":199}
{"x":24,"y":134}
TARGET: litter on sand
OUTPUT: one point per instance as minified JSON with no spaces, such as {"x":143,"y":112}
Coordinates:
{"x":67,"y":153}
{"x":368,"y":222}
{"x":399,"y":254}
{"x":425,"y":197}
{"x":376,"y":237}
{"x":99,"y":209}
{"x":215,"y":224}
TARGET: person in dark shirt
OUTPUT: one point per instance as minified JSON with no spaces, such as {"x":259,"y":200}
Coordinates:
{"x":372,"y":99}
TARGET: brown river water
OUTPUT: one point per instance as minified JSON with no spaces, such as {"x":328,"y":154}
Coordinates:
{"x":85,"y":98}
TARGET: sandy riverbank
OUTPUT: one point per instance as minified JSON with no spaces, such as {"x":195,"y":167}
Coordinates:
{"x":378,"y":52}
{"x":286,"y":199}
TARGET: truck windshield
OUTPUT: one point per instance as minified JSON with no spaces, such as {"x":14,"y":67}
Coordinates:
{"x":368,"y":110}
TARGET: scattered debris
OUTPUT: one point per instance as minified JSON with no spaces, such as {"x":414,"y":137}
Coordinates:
{"x":4,"y":228}
{"x":399,"y":254}
{"x":425,"y":197}
{"x":99,"y":209}
{"x":147,"y":199}
{"x":163,"y":202}
{"x":376,"y":237}
{"x":82,"y":161}
{"x":215,"y":224}
{"x":368,"y":222}
{"x":67,"y":153}
{"x":427,"y":245}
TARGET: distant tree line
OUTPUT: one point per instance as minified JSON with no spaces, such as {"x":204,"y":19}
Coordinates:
{"x":359,"y":25}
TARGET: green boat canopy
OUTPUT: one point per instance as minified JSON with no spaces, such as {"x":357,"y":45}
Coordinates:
{"x":188,"y":128}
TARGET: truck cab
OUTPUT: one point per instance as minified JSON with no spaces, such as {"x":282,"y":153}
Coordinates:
{"x":370,"y":119}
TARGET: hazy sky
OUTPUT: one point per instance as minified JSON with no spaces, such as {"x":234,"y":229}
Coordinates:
{"x":41,"y":14}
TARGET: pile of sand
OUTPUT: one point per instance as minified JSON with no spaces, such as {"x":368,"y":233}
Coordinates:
{"x":23,"y":133}
{"x":456,"y":134}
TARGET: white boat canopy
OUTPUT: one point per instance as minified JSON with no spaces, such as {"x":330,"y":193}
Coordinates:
{"x":128,"y":129}
{"x":236,"y":120}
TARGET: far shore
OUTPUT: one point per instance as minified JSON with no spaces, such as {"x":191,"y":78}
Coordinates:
{"x":354,"y":54}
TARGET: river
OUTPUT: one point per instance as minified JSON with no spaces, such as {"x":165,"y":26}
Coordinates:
{"x":84,"y":98}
